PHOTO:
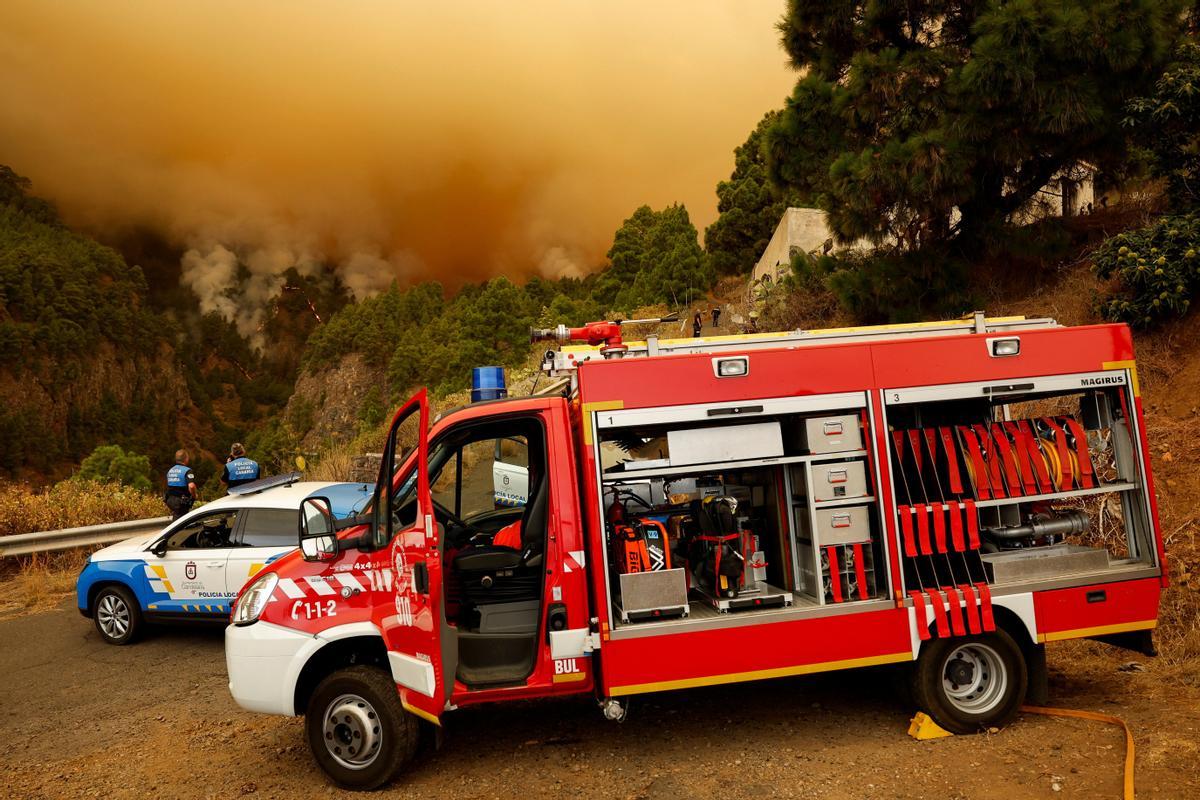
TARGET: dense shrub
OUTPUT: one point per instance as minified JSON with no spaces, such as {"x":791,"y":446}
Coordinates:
{"x":1156,"y":270}
{"x":110,"y":464}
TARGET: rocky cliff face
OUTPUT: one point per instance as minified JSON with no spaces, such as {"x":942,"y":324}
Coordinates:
{"x":331,"y":404}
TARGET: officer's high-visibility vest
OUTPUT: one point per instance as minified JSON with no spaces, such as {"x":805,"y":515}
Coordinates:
{"x":178,"y":478}
{"x":242,"y":469}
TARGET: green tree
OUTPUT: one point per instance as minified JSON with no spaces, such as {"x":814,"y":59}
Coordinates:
{"x":15,"y":191}
{"x":906,"y":112}
{"x":1166,"y":123}
{"x":111,"y":464}
{"x":274,"y":445}
{"x":63,"y":295}
{"x":655,"y":258}
{"x":375,"y":326}
{"x":486,"y":325}
{"x":749,"y":207}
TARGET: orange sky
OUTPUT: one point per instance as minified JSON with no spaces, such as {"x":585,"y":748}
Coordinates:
{"x":397,"y":139}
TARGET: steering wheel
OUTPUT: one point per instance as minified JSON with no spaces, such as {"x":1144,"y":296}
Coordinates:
{"x":211,"y":537}
{"x":457,"y":520}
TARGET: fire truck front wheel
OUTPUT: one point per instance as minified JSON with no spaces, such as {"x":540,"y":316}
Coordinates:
{"x":971,"y":682}
{"x":358,"y":731}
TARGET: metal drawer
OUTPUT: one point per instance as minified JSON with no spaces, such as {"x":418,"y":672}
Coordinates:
{"x":724,"y":443}
{"x":839,"y":480}
{"x":843,"y":525}
{"x":831,"y":434}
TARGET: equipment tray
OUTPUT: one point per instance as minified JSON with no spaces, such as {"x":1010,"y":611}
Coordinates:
{"x":766,"y":596}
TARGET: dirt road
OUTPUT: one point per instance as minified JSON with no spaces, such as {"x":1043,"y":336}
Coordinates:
{"x":82,"y":719}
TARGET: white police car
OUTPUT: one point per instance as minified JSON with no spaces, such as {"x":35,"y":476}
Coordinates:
{"x":193,"y":568}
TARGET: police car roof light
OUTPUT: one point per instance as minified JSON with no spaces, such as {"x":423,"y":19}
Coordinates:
{"x":262,"y":484}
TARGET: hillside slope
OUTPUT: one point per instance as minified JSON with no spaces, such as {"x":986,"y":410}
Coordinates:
{"x":82,"y":359}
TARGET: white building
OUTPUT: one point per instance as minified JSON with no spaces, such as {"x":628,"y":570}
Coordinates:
{"x":801,"y":230}
{"x":806,"y":230}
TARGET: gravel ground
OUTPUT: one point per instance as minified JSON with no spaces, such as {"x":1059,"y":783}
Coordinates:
{"x":81,"y":719}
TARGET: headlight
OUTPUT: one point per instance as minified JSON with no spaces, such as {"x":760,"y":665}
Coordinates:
{"x":254,"y":600}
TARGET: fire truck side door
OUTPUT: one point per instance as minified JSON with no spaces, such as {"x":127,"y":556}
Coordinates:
{"x":403,"y":526}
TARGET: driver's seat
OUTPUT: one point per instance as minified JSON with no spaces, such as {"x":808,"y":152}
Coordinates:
{"x":497,"y":574}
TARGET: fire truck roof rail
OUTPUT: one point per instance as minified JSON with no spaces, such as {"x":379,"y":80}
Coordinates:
{"x":564,"y":360}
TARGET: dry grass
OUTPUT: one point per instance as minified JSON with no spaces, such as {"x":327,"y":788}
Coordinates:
{"x":334,"y":464}
{"x":1178,"y":636}
{"x":41,"y":581}
{"x":72,"y":503}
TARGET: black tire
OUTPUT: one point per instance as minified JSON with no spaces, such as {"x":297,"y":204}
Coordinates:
{"x":348,"y":709}
{"x":971,"y":682}
{"x":117,"y":615}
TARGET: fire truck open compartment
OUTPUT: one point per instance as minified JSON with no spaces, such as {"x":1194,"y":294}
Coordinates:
{"x":1043,"y":473}
{"x":1001,"y":485}
{"x":742,"y":512}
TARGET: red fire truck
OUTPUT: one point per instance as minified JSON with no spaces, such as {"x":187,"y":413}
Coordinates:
{"x":949,"y":497}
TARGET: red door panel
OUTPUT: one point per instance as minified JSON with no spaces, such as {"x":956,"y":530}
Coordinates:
{"x":1098,"y":610}
{"x":411,"y":623}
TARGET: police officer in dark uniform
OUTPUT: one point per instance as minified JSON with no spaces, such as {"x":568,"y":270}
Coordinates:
{"x":238,"y":468}
{"x":181,"y":491}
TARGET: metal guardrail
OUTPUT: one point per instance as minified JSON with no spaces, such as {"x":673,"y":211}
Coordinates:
{"x":22,"y":544}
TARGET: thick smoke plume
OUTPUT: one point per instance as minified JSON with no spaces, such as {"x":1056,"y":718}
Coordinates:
{"x":394,"y":140}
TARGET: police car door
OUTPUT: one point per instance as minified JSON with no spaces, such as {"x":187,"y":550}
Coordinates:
{"x":189,"y":576}
{"x":510,"y":473}
{"x":264,"y":535}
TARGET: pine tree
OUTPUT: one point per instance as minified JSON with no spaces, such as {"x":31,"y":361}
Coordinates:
{"x":908,"y":111}
{"x":749,"y":207}
{"x":655,"y":258}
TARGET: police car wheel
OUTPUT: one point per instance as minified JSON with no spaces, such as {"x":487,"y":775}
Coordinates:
{"x":117,"y":615}
{"x":358,"y":731}
{"x":968,"y":683}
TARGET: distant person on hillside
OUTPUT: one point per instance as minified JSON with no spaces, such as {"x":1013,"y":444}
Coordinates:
{"x":716,"y":315}
{"x":238,"y":468}
{"x":697,"y":324}
{"x":181,"y":491}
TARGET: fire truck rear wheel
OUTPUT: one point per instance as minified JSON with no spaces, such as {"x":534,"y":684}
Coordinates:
{"x":971,"y":682}
{"x":358,"y":731}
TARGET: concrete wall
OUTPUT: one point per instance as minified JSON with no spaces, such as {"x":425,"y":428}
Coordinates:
{"x":801,"y":230}
{"x":1067,"y":194}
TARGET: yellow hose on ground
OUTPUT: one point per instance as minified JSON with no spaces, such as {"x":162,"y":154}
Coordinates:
{"x":1092,"y":715}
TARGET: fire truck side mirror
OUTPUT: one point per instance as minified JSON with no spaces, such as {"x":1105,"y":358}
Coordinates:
{"x":318,"y":542}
